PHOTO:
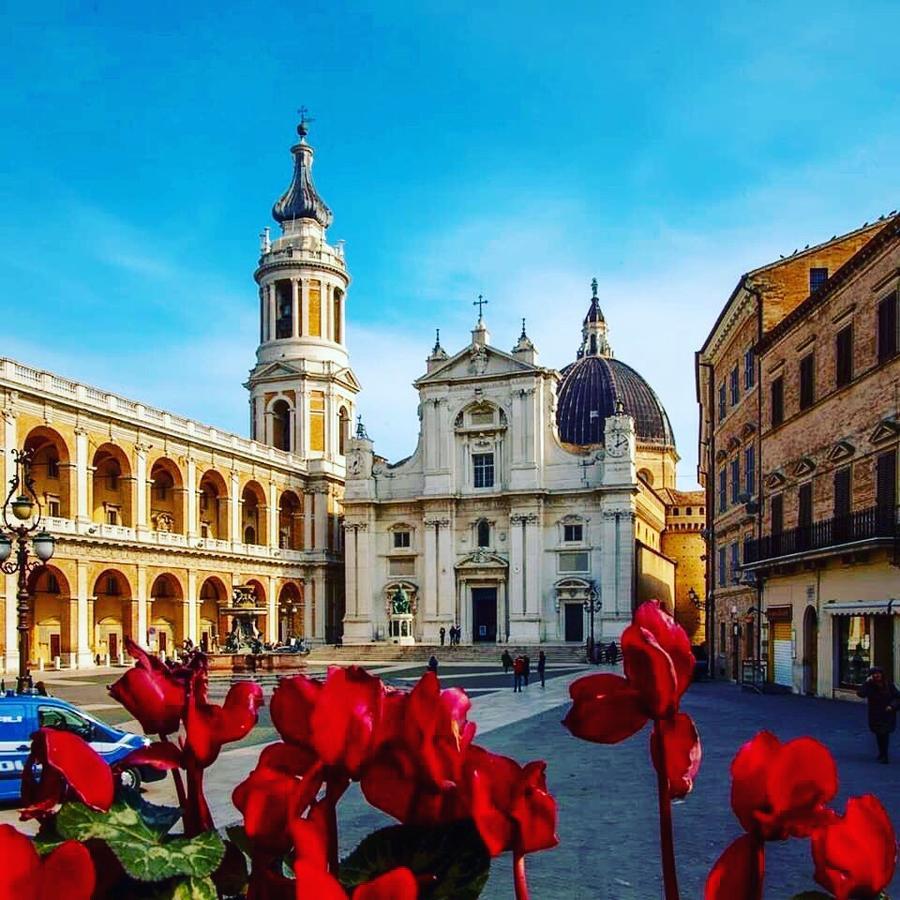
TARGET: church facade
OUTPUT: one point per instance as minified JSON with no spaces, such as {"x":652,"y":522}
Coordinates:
{"x":533,"y":509}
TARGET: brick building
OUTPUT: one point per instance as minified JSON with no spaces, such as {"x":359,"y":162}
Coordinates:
{"x":827,"y":559}
{"x":729,"y":394}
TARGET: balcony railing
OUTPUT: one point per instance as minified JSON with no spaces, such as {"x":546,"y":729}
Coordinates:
{"x":874,"y":523}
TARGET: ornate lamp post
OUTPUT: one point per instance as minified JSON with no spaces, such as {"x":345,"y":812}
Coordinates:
{"x":23,"y":503}
{"x":592,"y":605}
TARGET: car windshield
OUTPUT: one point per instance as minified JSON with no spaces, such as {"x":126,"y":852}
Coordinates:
{"x":64,"y":720}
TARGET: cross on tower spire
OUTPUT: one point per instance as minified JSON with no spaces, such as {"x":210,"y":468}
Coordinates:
{"x":305,"y":119}
{"x":480,"y":302}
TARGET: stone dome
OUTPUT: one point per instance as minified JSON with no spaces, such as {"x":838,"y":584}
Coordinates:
{"x":588,"y":392}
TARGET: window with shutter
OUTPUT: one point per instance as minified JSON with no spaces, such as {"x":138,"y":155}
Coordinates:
{"x":843,"y":369}
{"x":887,"y":328}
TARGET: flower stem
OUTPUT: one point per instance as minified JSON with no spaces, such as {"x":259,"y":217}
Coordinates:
{"x":666,"y":840}
{"x":334,"y":790}
{"x":179,"y":781}
{"x":197,"y":818}
{"x":519,"y":880}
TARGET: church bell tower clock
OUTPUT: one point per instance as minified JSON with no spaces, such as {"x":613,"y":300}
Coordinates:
{"x":302,"y":390}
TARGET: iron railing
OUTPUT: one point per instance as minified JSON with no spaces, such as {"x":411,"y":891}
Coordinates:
{"x":874,"y":523}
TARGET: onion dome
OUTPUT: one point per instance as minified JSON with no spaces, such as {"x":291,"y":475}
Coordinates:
{"x":301,"y":200}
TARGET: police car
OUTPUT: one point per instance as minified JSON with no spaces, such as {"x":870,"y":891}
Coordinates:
{"x":22,"y":714}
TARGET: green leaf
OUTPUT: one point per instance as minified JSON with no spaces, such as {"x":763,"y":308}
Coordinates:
{"x":238,"y":837}
{"x":231,"y":877}
{"x":453,"y":854}
{"x":47,"y":838}
{"x":160,"y":818}
{"x":195,"y":889}
{"x":145,"y":854}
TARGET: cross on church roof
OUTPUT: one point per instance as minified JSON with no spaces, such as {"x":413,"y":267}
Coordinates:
{"x":305,"y":119}
{"x":480,"y":302}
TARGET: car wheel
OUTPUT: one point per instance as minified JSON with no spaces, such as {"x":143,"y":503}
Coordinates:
{"x":130,"y":779}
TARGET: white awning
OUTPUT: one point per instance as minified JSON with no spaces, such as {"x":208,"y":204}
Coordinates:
{"x":864,"y":608}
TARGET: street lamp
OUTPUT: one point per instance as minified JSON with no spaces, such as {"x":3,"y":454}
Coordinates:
{"x":23,"y":503}
{"x":592,"y":605}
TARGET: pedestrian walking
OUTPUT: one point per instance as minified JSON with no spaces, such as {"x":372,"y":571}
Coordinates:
{"x":612,"y":653}
{"x":443,"y":634}
{"x":883,"y":698}
{"x":432,"y":664}
{"x":518,"y":674}
{"x":507,"y":661}
{"x":526,"y":668}
{"x":458,"y":633}
{"x":542,"y":666}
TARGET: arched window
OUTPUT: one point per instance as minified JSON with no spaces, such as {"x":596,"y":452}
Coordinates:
{"x":483,"y":533}
{"x":284,"y":297}
{"x":249,"y":535}
{"x":281,"y":425}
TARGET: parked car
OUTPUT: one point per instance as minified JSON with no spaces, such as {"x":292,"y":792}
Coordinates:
{"x":23,"y":714}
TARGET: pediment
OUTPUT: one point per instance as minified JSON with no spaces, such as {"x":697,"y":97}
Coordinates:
{"x":482,"y":559}
{"x":477,"y":362}
{"x":348,"y":378}
{"x":733,"y":443}
{"x":885,"y":430}
{"x":275,"y":370}
{"x":748,"y":430}
{"x":721,"y":455}
{"x":803,"y":467}
{"x":840,"y":451}
{"x":775,"y":480}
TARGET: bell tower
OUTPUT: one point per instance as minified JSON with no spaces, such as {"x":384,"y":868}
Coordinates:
{"x":302,"y":390}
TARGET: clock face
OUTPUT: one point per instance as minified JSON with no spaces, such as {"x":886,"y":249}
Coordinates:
{"x":618,"y":445}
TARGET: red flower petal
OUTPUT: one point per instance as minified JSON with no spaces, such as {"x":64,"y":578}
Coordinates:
{"x":605,"y":709}
{"x":671,"y":637}
{"x":650,"y":671}
{"x":159,"y":755}
{"x":749,"y":774}
{"x":314,"y":883}
{"x":67,"y":872}
{"x":208,"y":726}
{"x":69,"y":767}
{"x":293,"y":702}
{"x":151,"y":693}
{"x":398,"y":884}
{"x":21,"y":864}
{"x":802,"y":778}
{"x":681,"y":744}
{"x":738,"y":872}
{"x":345,"y":717}
{"x":856,"y":855}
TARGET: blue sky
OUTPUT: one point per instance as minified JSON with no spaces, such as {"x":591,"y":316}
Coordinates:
{"x":510,"y":149}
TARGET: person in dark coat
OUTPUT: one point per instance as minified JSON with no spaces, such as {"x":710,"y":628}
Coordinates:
{"x":432,"y":664}
{"x":443,"y":634}
{"x":542,"y":666}
{"x":526,"y":670}
{"x":883,"y":698}
{"x":507,"y":661}
{"x":612,"y":653}
{"x":518,"y":673}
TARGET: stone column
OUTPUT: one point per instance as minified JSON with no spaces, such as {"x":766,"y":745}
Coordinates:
{"x":11,"y":662}
{"x":323,"y":309}
{"x":516,"y":577}
{"x":272,"y":514}
{"x":271,"y":634}
{"x":140,"y":487}
{"x":236,"y":506}
{"x":295,"y":307}
{"x":192,"y":527}
{"x":193,"y":623}
{"x":299,"y":436}
{"x":82,"y":486}
{"x":307,"y":608}
{"x":320,"y":498}
{"x":446,"y":574}
{"x":263,"y":316}
{"x":308,"y":511}
{"x":271,"y":303}
{"x":83,"y":656}
{"x":358,"y":620}
{"x":318,"y":583}
{"x":432,"y":601}
{"x":533,"y":572}
{"x":304,"y":303}
{"x":143,"y":608}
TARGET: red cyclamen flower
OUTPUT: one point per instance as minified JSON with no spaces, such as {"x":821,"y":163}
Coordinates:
{"x":855,"y":854}
{"x":151,"y":692}
{"x":65,"y":872}
{"x":658,"y":664}
{"x":69,"y":768}
{"x":777,"y":791}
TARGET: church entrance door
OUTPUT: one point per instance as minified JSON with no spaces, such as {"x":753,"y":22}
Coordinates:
{"x":484,"y":614}
{"x":574,"y":622}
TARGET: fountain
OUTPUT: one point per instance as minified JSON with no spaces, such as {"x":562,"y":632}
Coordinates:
{"x":244,"y":650}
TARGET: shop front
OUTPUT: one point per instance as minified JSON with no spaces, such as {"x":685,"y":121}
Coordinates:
{"x":863,"y":638}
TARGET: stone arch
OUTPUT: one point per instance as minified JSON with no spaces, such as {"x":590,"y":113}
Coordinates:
{"x":111,"y":494}
{"x":291,"y":612}
{"x":114,"y":614}
{"x":213,"y":623}
{"x":212,"y":506}
{"x":647,"y":476}
{"x":167,"y":614}
{"x":51,"y":471}
{"x":281,"y":414}
{"x":166,"y":495}
{"x":482,"y":533}
{"x":253,"y":514}
{"x":54,"y":625}
{"x":290,"y":521}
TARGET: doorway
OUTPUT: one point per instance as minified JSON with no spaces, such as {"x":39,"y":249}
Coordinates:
{"x":113,"y":646}
{"x":810,"y":652}
{"x":484,"y":614}
{"x":574,"y":623}
{"x":55,"y":646}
